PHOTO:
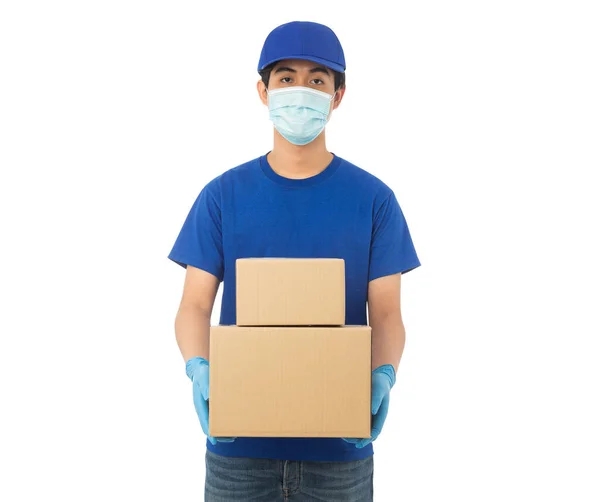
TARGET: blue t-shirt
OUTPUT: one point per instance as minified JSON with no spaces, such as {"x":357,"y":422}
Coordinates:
{"x":253,"y":212}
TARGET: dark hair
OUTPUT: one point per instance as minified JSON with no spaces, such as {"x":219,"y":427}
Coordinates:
{"x":339,"y":79}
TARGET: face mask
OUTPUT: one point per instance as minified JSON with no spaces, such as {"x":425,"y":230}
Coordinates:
{"x":299,"y":113}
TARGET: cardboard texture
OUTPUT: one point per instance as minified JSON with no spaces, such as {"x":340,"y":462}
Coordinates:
{"x":290,"y":381}
{"x":290,"y":292}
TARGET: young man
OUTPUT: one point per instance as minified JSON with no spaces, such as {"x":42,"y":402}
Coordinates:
{"x":298,"y":200}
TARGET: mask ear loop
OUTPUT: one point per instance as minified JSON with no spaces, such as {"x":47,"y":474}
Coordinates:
{"x":268,"y":99}
{"x":330,"y":100}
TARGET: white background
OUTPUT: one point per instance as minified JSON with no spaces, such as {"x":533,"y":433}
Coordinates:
{"x":482,"y":116}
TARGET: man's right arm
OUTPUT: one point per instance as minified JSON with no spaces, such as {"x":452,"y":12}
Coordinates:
{"x":192,"y":322}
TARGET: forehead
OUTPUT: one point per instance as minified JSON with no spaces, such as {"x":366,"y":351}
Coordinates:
{"x":298,"y":65}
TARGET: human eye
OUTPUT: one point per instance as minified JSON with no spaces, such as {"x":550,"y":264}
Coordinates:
{"x":314,"y":80}
{"x":283,"y":79}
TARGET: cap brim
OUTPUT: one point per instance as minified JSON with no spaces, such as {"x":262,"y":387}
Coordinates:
{"x":314,"y":59}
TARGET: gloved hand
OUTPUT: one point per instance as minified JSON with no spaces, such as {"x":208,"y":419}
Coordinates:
{"x":382,"y":381}
{"x":197,"y":369}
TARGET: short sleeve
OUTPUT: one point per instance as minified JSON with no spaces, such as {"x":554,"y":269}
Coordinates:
{"x":392,"y":249}
{"x":200,"y":242}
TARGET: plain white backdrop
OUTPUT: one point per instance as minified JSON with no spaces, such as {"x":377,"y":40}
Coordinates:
{"x":482,"y":116}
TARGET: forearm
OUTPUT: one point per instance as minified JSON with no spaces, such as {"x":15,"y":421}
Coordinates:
{"x":192,"y":331}
{"x":388,"y":339}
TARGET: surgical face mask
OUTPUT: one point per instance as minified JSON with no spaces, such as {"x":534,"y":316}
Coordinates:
{"x":299,"y":113}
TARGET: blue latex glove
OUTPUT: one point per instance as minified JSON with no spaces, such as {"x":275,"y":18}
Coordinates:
{"x":197,"y":369}
{"x":382,"y":381}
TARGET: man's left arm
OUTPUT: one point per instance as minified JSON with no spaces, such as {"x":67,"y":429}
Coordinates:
{"x":385,"y":318}
{"x":392,"y":254}
{"x":387,"y":339}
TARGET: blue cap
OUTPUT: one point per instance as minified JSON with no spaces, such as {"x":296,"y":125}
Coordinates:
{"x":303,"y":40}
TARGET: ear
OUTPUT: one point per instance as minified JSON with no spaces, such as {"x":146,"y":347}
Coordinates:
{"x":339,"y":94}
{"x":262,"y":92}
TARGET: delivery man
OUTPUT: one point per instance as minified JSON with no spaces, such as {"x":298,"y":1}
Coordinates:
{"x":299,"y":200}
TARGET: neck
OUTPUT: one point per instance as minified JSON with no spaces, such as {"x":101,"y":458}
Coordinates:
{"x":298,"y":162}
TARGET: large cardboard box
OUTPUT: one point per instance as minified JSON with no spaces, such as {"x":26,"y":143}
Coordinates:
{"x":290,"y":292}
{"x":290,"y":382}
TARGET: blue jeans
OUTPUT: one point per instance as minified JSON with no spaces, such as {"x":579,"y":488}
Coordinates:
{"x":230,"y":479}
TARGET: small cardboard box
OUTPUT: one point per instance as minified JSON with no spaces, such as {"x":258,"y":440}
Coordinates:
{"x":290,"y":382}
{"x":290,"y":292}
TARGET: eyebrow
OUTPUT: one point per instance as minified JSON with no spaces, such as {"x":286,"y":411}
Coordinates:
{"x":316,"y":69}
